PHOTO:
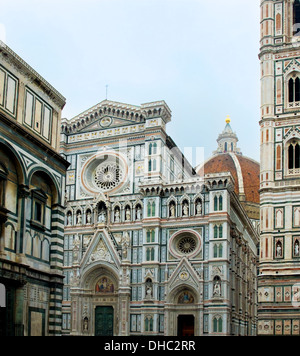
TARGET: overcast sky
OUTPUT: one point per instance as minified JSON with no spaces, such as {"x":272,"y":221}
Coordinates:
{"x":200,"y":56}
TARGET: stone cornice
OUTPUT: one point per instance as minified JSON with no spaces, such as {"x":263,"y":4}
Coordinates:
{"x":11,"y":57}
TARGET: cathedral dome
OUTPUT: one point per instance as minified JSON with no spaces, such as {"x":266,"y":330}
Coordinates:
{"x":245,"y":171}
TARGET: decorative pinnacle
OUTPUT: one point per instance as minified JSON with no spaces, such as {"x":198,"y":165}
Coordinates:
{"x":227,"y":119}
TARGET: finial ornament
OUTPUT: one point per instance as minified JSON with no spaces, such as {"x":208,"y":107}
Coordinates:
{"x":228,"y":119}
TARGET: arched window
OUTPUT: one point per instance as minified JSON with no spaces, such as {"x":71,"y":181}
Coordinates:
{"x":291,"y":90}
{"x":154,"y":148}
{"x":216,"y":200}
{"x":215,"y":231}
{"x":217,"y":325}
{"x":153,"y":208}
{"x":220,"y":202}
{"x":296,"y":17}
{"x":294,"y":88}
{"x":293,"y":157}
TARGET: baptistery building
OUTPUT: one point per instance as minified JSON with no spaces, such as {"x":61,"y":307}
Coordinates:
{"x":153,"y":246}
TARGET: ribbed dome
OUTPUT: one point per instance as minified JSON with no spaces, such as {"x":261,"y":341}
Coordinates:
{"x":245,"y":172}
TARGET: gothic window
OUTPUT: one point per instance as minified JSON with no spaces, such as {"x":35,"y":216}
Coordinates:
{"x":215,"y":231}
{"x":153,"y":149}
{"x":151,"y":209}
{"x":150,"y":236}
{"x":294,"y":89}
{"x":217,"y":325}
{"x":296,"y":17}
{"x":150,"y":254}
{"x":218,"y":250}
{"x":152,"y":165}
{"x":218,"y":231}
{"x":149,"y":323}
{"x":218,"y":203}
{"x":293,"y":156}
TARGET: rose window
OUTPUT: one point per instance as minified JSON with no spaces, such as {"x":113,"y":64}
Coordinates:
{"x":104,"y":172}
{"x":108,"y":176}
{"x":187,"y":245}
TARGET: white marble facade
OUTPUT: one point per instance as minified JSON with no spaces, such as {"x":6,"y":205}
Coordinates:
{"x":147,"y":250}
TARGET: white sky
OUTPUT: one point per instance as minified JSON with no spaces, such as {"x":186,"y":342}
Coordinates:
{"x":201,"y":57}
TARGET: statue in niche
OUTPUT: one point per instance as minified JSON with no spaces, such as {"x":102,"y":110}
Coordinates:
{"x":296,"y":248}
{"x":172,"y":210}
{"x":117,"y":215}
{"x":278,"y":249}
{"x":149,"y":289}
{"x":127,"y":214}
{"x":139,"y":213}
{"x":102,"y":216}
{"x":85,"y":324}
{"x":217,"y":287}
{"x":79,"y":218}
{"x":198,"y":208}
{"x":69,"y":218}
{"x":185,"y":210}
{"x":88,"y":217}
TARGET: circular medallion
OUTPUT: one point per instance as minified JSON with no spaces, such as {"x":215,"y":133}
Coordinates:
{"x":106,"y":121}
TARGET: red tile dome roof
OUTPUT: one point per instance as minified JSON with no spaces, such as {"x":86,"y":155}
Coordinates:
{"x":245,"y":172}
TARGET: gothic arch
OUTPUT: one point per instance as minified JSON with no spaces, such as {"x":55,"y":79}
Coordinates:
{"x":177,"y":291}
{"x":92,"y":273}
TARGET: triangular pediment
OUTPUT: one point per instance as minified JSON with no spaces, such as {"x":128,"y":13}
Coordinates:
{"x":184,"y":274}
{"x":105,"y":123}
{"x":292,"y":66}
{"x":101,"y":249}
{"x":290,"y":134}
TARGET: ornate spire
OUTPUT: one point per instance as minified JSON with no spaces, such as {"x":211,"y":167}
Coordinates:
{"x":227,"y":140}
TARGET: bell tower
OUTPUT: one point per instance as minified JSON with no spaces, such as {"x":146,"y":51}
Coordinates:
{"x":279,"y":269}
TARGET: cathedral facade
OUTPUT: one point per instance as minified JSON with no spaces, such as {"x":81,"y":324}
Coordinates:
{"x":279,"y":277}
{"x":151,"y":246}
